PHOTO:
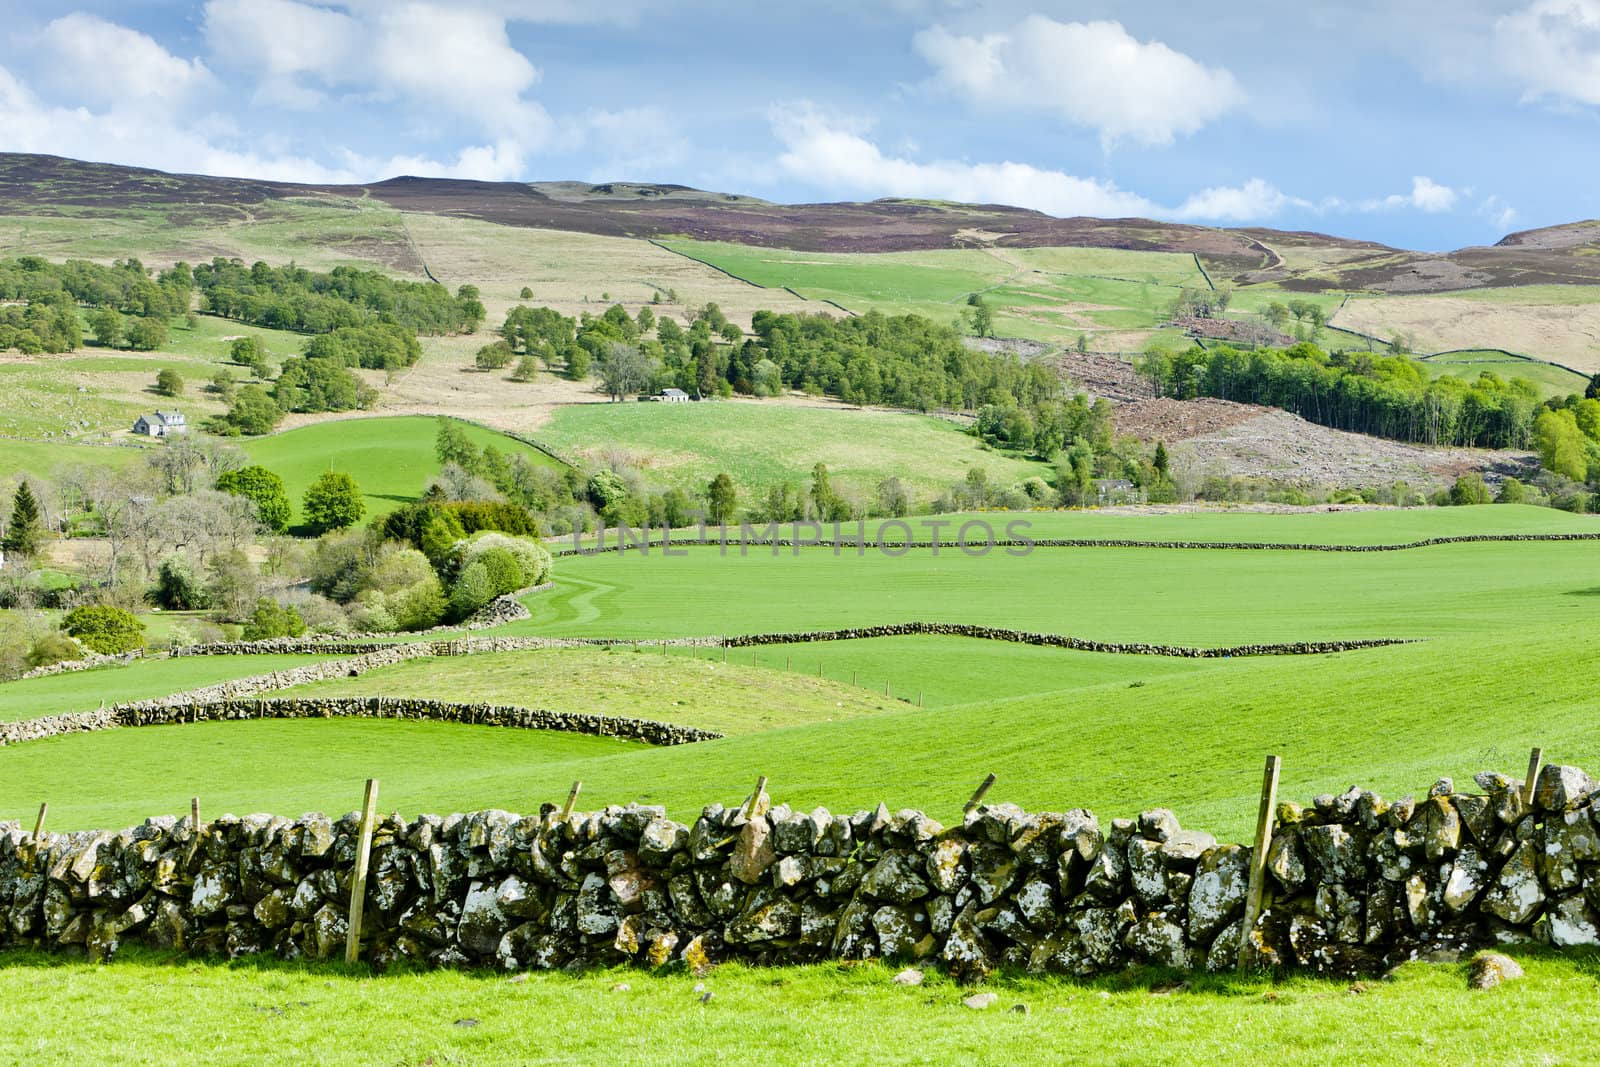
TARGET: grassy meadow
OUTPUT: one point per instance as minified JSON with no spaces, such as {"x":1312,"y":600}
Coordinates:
{"x":143,"y":679}
{"x":265,"y":1012}
{"x":391,"y":458}
{"x":1501,"y":663}
{"x":763,"y":443}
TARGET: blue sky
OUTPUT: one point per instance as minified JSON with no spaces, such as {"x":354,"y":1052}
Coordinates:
{"x":1384,"y":120}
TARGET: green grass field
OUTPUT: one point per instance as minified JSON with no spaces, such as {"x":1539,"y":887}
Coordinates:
{"x":1503,"y":666}
{"x":1550,"y":379}
{"x":391,"y":458}
{"x":763,"y":443}
{"x":728,"y":697}
{"x":141,"y":680}
{"x":262,"y":1012}
{"x":1049,"y":294}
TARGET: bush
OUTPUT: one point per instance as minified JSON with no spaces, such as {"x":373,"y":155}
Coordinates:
{"x":271,"y":619}
{"x":1512,"y":491}
{"x":531,"y":559}
{"x":178,"y":586}
{"x":53,"y":648}
{"x":104,"y":629}
{"x":472,"y":591}
{"x":321,"y":615}
{"x":1469,"y":489}
{"x":505,"y":573}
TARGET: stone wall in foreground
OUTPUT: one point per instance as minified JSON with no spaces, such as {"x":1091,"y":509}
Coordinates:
{"x":1355,"y":884}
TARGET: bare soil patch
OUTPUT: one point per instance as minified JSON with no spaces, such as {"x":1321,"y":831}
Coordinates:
{"x":1103,"y":376}
{"x":1275,"y":444}
{"x":1171,"y":420}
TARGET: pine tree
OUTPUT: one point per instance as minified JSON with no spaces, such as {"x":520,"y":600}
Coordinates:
{"x":1161,"y":462}
{"x":26,"y":531}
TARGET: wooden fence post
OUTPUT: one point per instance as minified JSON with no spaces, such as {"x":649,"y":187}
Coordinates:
{"x":572,"y":799}
{"x":1535,"y":765}
{"x":1258,"y":860}
{"x":194,"y":814}
{"x":755,"y":798}
{"x":358,"y":886}
{"x":977,"y":798}
{"x":919,"y":698}
{"x":38,"y":827}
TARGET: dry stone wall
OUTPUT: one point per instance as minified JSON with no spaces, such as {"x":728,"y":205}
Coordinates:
{"x":1354,"y":884}
{"x":993,"y":633}
{"x":683,"y":539}
{"x":187,"y":709}
{"x":472,"y":645}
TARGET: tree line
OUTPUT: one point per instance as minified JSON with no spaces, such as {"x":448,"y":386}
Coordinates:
{"x":305,"y":301}
{"x":39,"y":303}
{"x":1363,"y":392}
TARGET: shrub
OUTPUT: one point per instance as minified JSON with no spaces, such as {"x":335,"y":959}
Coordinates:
{"x":178,"y":586}
{"x":104,"y":629}
{"x":53,"y":648}
{"x":271,"y":619}
{"x":1469,"y":489}
{"x":1512,"y":491}
{"x":505,"y":573}
{"x":472,"y":591}
{"x":532,"y":561}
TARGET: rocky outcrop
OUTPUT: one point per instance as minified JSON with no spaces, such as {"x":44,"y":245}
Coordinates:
{"x":1354,"y":884}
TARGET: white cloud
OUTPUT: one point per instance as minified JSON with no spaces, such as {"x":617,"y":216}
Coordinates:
{"x":1501,"y":215}
{"x":1425,"y":195}
{"x":461,"y":60}
{"x":1553,"y":48}
{"x":835,"y":156}
{"x":96,"y":62}
{"x":280,"y":42}
{"x":139,"y":137}
{"x":445,"y":63}
{"x":1254,"y":200}
{"x":1093,"y":74}
{"x":1428,"y":195}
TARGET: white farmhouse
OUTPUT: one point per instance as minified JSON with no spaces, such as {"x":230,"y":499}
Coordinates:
{"x":161,"y":424}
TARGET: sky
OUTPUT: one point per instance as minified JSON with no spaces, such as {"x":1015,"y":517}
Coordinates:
{"x":1418,"y":123}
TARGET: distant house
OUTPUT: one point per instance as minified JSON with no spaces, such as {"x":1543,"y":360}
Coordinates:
{"x":672,"y":396}
{"x":1116,"y":491}
{"x":161,"y":424}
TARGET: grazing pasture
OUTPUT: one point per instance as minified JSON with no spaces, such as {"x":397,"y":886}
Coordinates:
{"x":761,"y":443}
{"x":391,"y":458}
{"x":818,"y":1016}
